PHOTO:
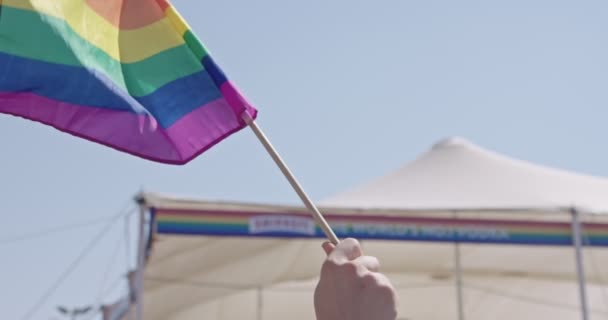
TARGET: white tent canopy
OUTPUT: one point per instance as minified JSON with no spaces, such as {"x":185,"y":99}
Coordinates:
{"x":458,"y":175}
{"x":220,"y":278}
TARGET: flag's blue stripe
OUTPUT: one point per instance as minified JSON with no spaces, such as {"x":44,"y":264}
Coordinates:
{"x":218,"y":76}
{"x":87,"y":87}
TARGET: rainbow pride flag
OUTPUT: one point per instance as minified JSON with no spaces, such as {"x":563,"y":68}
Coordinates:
{"x":128,"y":74}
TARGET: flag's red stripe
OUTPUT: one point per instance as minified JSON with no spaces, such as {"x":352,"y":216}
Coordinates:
{"x":163,"y":4}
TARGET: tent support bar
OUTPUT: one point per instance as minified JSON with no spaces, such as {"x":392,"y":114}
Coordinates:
{"x":260,"y":299}
{"x":578,"y":246}
{"x":458,"y":276}
{"x":139,"y":275}
{"x":458,"y":279}
{"x":319,"y":219}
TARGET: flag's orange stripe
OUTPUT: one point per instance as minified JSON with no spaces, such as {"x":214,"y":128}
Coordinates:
{"x":128,"y":14}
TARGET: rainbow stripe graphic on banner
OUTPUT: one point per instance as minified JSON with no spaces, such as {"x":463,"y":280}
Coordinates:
{"x":130,"y":75}
{"x":260,"y":224}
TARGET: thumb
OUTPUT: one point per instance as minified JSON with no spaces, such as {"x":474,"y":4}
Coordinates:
{"x":328,"y":247}
{"x":347,"y":250}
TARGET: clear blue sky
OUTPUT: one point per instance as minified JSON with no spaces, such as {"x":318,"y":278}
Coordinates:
{"x":347,"y":90}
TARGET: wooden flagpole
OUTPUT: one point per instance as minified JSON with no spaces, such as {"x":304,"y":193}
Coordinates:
{"x":318,"y":217}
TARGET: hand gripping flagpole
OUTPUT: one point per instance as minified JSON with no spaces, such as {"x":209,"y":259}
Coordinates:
{"x":318,"y":217}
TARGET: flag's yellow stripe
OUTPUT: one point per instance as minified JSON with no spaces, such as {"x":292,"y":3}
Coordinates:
{"x":179,"y":24}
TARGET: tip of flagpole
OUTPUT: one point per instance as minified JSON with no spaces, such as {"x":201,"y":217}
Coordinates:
{"x":246,"y":117}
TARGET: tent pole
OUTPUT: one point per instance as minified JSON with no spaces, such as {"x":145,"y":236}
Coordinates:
{"x":141,"y":249}
{"x":578,"y":246}
{"x":260,"y":303}
{"x":291,"y":178}
{"x":458,"y":277}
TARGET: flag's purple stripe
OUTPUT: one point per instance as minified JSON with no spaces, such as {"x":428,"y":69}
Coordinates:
{"x":88,"y":87}
{"x":129,"y":132}
{"x":236,"y":101}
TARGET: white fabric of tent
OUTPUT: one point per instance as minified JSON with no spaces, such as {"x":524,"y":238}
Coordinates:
{"x":216,"y":278}
{"x":458,"y":175}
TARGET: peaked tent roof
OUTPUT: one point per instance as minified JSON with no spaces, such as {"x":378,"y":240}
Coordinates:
{"x":456,"y":174}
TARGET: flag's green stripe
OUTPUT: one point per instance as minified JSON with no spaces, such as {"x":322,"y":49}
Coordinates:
{"x":195,"y":45}
{"x":41,"y":37}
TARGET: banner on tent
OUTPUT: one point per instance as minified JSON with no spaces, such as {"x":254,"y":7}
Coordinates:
{"x":410,"y":228}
